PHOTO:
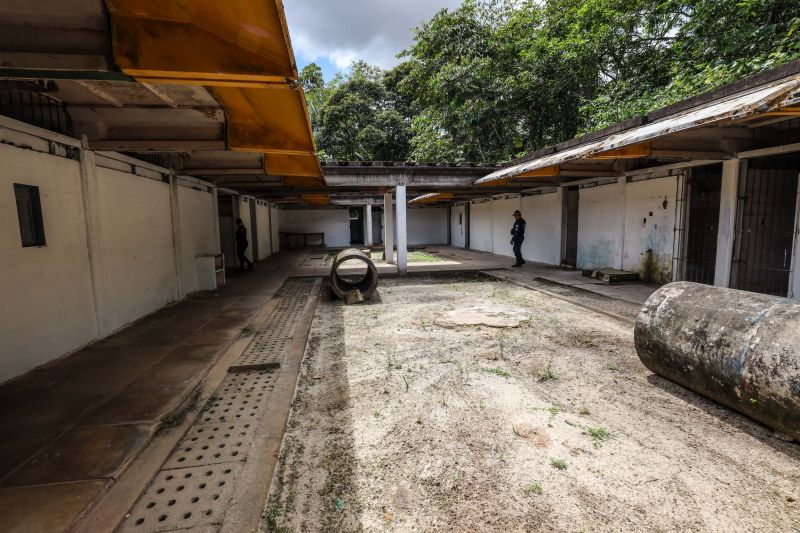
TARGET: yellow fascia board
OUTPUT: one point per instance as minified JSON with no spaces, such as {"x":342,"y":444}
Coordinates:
{"x":545,"y":172}
{"x":633,"y":151}
{"x":271,"y":120}
{"x":208,"y":41}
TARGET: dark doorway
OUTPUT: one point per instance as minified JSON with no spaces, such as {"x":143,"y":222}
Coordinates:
{"x":356,"y":226}
{"x":570,"y":220}
{"x":703,"y":189}
{"x":762,"y":258}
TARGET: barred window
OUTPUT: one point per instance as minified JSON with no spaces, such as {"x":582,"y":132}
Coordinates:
{"x":29,"y":211}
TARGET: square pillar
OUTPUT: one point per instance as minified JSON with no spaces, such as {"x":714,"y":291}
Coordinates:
{"x":402,"y":235}
{"x":388,"y":228}
{"x":731,"y":171}
{"x":368,"y":225}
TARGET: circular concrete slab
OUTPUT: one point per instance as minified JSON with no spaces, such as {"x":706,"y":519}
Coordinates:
{"x":494,"y":316}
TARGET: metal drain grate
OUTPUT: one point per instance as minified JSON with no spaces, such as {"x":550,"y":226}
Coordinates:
{"x":238,"y":401}
{"x":184,"y":498}
{"x":269,"y":346}
{"x":212,"y":444}
{"x":266,"y":352}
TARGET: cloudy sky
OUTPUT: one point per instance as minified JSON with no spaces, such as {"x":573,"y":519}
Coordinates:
{"x":332,"y":33}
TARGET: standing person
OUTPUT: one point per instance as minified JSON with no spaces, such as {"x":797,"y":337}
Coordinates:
{"x":517,"y":236}
{"x":241,"y":245}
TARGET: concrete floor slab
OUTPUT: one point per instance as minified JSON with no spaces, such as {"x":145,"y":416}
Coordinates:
{"x":191,"y":353}
{"x":139,"y":404}
{"x":46,"y":411}
{"x":82,"y":454}
{"x":46,"y":508}
{"x":17,"y":448}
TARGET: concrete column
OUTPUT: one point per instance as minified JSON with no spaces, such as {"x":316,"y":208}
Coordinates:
{"x":175,"y":214}
{"x":622,"y":183}
{"x":731,"y":170}
{"x":388,"y":228}
{"x":215,"y":214}
{"x":368,"y":225}
{"x":88,"y":193}
{"x":794,"y":286}
{"x":402,"y":239}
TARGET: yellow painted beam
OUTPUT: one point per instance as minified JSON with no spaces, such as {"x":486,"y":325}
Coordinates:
{"x":433,"y":198}
{"x":316,"y":199}
{"x":203,"y":41}
{"x":304,"y":165}
{"x":546,"y":172}
{"x":273,"y":120}
{"x":633,"y":151}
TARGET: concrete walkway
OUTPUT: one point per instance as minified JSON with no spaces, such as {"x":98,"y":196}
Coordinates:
{"x":70,"y":429}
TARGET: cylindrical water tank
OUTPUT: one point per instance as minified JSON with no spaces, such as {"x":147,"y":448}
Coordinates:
{"x":741,"y":349}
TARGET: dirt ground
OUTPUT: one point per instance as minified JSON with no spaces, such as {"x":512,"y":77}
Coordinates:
{"x":404,"y":421}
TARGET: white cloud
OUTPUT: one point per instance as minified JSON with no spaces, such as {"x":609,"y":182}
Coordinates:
{"x":344,"y":30}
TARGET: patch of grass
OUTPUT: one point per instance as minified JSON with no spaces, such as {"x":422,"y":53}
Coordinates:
{"x":598,"y":434}
{"x":376,"y":414}
{"x":553,"y":410}
{"x":533,"y":488}
{"x":498,"y":372}
{"x":584,"y":411}
{"x":558,"y":464}
{"x":613,"y":367}
{"x":546,"y":374}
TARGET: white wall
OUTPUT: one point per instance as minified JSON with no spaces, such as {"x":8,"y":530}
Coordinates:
{"x":46,"y":293}
{"x":480,"y":226}
{"x":197,"y":237}
{"x":600,"y":226}
{"x":334,"y":223}
{"x":134,"y":261}
{"x":427,"y":225}
{"x":649,"y":225}
{"x":543,"y":230}
{"x":458,"y":226}
{"x":264,"y":232}
{"x":275,"y":217}
{"x":60,"y":297}
{"x":503,"y":219}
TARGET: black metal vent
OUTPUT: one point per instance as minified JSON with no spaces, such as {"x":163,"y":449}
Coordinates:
{"x":36,"y":109}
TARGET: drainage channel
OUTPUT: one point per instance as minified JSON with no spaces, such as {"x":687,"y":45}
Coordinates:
{"x":621,"y":310}
{"x":197,"y":482}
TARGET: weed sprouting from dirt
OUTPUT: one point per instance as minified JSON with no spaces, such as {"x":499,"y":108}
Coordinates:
{"x":498,"y":372}
{"x":584,"y":411}
{"x":613,"y":367}
{"x":533,"y":488}
{"x":558,"y":464}
{"x":391,"y":361}
{"x":598,"y":434}
{"x":547,"y":373}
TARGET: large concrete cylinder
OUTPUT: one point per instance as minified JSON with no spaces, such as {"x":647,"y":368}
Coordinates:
{"x":739,"y":348}
{"x":353,"y":290}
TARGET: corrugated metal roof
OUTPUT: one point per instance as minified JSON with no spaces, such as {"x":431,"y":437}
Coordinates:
{"x":767,"y":98}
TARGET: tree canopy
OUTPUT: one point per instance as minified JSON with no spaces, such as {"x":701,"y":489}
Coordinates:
{"x":495,"y":79}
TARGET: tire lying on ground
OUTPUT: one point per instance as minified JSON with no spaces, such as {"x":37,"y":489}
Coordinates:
{"x":358,"y":289}
{"x":739,"y":348}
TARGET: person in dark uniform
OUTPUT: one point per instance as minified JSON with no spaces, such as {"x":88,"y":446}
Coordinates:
{"x":517,"y":236}
{"x":241,"y":245}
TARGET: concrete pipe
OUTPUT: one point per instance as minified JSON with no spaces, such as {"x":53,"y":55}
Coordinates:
{"x":358,"y":286}
{"x":739,"y":348}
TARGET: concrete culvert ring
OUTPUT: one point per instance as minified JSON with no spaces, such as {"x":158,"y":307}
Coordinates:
{"x":356,"y":284}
